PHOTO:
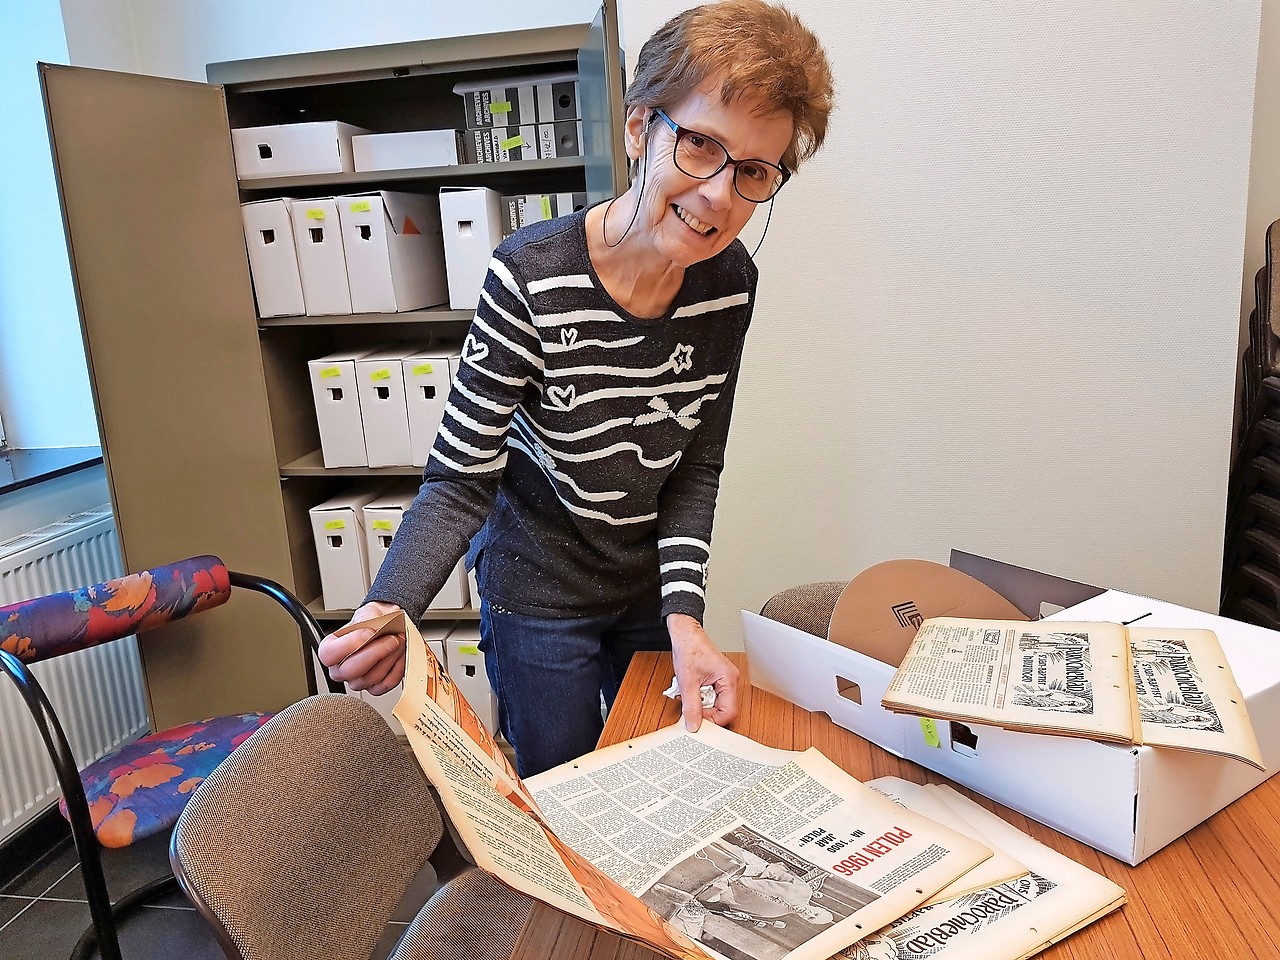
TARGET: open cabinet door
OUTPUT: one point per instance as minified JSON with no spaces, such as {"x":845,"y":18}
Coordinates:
{"x":602,"y":83}
{"x":152,"y":218}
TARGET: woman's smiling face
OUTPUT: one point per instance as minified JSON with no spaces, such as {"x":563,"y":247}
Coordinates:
{"x":682,"y":219}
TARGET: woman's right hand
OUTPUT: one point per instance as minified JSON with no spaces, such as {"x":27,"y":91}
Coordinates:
{"x":376,"y":666}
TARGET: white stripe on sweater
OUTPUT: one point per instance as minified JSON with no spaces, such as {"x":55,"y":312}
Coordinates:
{"x":518,"y":443}
{"x":614,"y":392}
{"x":511,"y":345}
{"x":576,"y":316}
{"x":580,"y":280}
{"x":473,"y":424}
{"x":707,"y":306}
{"x":522,"y":325}
{"x":666,"y":542}
{"x":552,"y":347}
{"x":480,"y":453}
{"x":597,"y":515}
{"x":680,"y":565}
{"x":494,"y":466}
{"x":678,"y":586}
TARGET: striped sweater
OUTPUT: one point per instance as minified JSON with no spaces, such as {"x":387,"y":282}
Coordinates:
{"x":582,"y":443}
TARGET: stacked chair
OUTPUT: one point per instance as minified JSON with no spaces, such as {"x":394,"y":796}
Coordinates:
{"x":1251,"y":557}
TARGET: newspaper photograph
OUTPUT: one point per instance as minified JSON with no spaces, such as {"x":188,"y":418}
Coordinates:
{"x":1006,"y":921}
{"x":1059,"y":677}
{"x":1187,"y":696}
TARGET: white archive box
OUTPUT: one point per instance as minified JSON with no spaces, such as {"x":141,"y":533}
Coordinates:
{"x":511,"y":101}
{"x":472,"y":221}
{"x":273,"y":258}
{"x":317,"y":232}
{"x":1127,"y":801}
{"x":466,"y":667}
{"x":428,"y":374}
{"x":294,"y":149}
{"x":383,"y":414}
{"x":407,"y":150}
{"x":338,"y":528}
{"x":434,"y":633}
{"x":394,"y":251}
{"x":337,"y":402}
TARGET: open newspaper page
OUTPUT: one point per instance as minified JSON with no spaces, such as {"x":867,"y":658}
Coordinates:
{"x":1007,"y":921}
{"x":1072,"y":679}
{"x":802,"y":864}
{"x":1187,"y":696}
{"x":496,"y":819}
{"x":630,"y":803}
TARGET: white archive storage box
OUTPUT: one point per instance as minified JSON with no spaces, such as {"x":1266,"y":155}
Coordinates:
{"x":434,"y":633}
{"x":408,"y":149}
{"x":293,"y":149}
{"x":273,"y":258}
{"x":1127,"y":801}
{"x":317,"y":232}
{"x":338,"y":528}
{"x":337,"y":403}
{"x":394,"y":251}
{"x":428,"y":374}
{"x":472,"y":222}
{"x":380,"y":385}
{"x":466,"y":667}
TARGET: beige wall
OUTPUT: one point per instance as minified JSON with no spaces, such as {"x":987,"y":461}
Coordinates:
{"x":999,"y":311}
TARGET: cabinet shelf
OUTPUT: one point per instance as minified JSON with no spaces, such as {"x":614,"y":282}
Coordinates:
{"x":312,"y":465}
{"x":432,"y":315}
{"x":449,"y":174}
{"x":318,"y":611}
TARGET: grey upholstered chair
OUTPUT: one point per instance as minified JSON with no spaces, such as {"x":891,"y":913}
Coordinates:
{"x":302,"y":844}
{"x":806,"y":607}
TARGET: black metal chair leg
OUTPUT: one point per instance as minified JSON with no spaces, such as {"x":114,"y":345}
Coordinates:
{"x":88,"y":942}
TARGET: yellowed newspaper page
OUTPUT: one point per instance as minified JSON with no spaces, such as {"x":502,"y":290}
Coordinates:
{"x":497,"y":821}
{"x":629,"y":804}
{"x":1008,"y":921}
{"x":999,"y":868}
{"x":1068,"y":678}
{"x":1188,"y":698}
{"x":806,"y":862}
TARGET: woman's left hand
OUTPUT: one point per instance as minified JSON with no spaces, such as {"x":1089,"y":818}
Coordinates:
{"x":698,"y":663}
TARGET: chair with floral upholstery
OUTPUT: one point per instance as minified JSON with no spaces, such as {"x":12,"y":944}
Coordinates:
{"x":138,"y":790}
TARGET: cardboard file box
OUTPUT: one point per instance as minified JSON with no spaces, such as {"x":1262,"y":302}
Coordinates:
{"x":294,"y":149}
{"x":427,"y":376}
{"x":466,"y":667}
{"x":515,"y":101}
{"x":472,"y":221}
{"x":317,"y":232}
{"x":1126,"y":801}
{"x":338,"y":528}
{"x":520,"y":211}
{"x":394,"y":251}
{"x":385,"y":418}
{"x":408,"y":150}
{"x":557,"y":99}
{"x":502,"y":144}
{"x":560,"y":139}
{"x":337,"y":402}
{"x":434,"y":633}
{"x":273,"y":258}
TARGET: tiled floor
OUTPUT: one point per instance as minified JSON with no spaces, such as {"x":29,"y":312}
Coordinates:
{"x":44,"y":912}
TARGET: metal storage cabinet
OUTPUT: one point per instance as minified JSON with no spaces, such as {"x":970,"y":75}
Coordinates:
{"x":208,"y":429}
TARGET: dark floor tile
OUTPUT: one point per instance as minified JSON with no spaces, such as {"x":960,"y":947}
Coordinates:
{"x":49,"y":929}
{"x":45,"y":873}
{"x":52,"y":927}
{"x":10,"y":907}
{"x":126,"y":869}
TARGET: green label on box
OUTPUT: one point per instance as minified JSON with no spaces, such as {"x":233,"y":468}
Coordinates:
{"x":335,"y":524}
{"x":382,"y":524}
{"x":510,"y":142}
{"x":930,"y":730}
{"x":546,"y":207}
{"x":361,"y":206}
{"x":500,"y":106}
{"x":315,"y":214}
{"x":469,"y":649}
{"x":422,"y":369}
{"x":380,"y":375}
{"x":328,"y":373}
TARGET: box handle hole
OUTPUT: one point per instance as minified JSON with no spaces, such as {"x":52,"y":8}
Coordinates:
{"x":384,"y":393}
{"x":335,"y":542}
{"x":366,"y":231}
{"x":428,"y":393}
{"x":849,"y":690}
{"x":317,"y":234}
{"x":268,"y":236}
{"x":264,"y":151}
{"x":335,"y":393}
{"x":963,"y":740}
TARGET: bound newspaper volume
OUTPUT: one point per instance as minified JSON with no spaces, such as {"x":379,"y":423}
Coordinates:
{"x":1156,"y":686}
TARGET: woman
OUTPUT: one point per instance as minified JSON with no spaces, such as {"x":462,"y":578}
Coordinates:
{"x":586,"y":428}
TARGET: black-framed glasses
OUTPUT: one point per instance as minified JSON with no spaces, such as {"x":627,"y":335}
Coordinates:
{"x":701,"y":156}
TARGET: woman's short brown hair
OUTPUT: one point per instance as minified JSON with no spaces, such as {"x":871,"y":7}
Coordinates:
{"x":754,"y":48}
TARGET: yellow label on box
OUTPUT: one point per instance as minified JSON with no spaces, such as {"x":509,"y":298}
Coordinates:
{"x":382,"y":524}
{"x":930,"y":730}
{"x":510,"y":142}
{"x":315,"y":214}
{"x":422,"y":369}
{"x":380,"y":375}
{"x":361,"y":206}
{"x":335,"y":524}
{"x":499,"y":106}
{"x":328,"y":373}
{"x":469,"y":649}
{"x":546,"y":207}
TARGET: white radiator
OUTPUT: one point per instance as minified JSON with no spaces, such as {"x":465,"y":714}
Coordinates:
{"x":97,"y":693}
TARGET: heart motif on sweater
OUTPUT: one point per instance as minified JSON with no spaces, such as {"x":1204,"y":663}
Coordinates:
{"x":563,"y":397}
{"x":473,"y":351}
{"x":569,"y":336}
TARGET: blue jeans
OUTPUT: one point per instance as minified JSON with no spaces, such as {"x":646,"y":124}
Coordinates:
{"x":549,"y":675}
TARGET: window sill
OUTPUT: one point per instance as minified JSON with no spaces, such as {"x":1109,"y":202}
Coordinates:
{"x":25,"y":468}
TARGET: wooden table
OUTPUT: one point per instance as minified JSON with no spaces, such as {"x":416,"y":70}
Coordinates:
{"x":1214,"y":894}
